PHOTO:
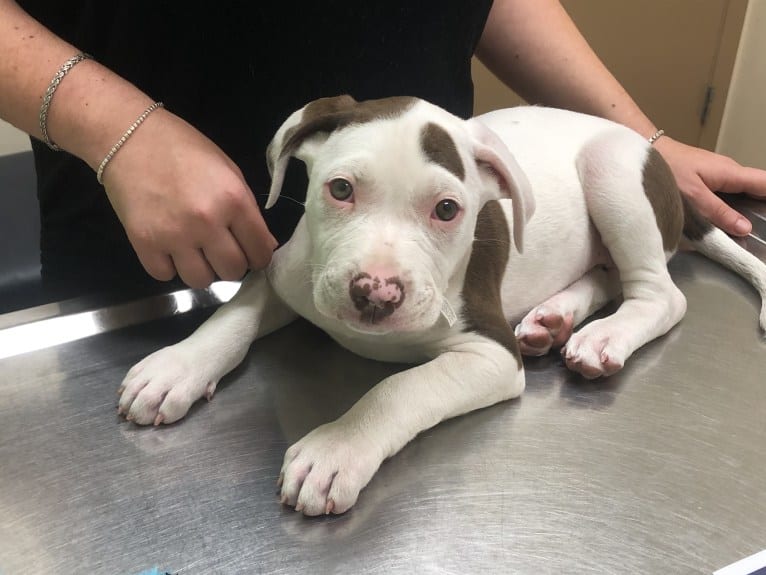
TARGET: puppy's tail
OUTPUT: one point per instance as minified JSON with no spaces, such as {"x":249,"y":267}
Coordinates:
{"x":715,"y":244}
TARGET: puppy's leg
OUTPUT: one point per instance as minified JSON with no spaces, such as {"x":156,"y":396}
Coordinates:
{"x":162,"y":387}
{"x":324,"y":471}
{"x":550,"y":324}
{"x":611,"y":169}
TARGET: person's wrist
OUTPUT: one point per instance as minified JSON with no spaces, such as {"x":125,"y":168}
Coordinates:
{"x":50,"y":91}
{"x":92,"y":109}
{"x":124,"y":139}
{"x":664,"y":144}
{"x":139,"y":149}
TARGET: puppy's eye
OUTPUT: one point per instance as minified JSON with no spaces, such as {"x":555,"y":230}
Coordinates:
{"x":446,"y":210}
{"x":341,"y":189}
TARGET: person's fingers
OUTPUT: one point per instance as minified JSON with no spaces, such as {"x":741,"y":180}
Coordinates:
{"x":193,"y":268}
{"x":254,"y":237}
{"x":699,"y":173}
{"x":717,"y":172}
{"x":226,"y":257}
{"x":177,"y":193}
{"x":158,"y":265}
{"x":736,"y":179}
{"x":720,"y":213}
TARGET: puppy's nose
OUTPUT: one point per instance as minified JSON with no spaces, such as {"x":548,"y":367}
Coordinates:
{"x":376,"y":296}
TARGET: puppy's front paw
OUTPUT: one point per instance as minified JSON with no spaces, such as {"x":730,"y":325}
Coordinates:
{"x":325,"y":471}
{"x":543,"y":328}
{"x":162,"y":387}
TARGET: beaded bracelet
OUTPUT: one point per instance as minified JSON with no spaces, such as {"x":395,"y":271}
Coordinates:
{"x":657,"y":135}
{"x":63,"y":71}
{"x":125,"y":136}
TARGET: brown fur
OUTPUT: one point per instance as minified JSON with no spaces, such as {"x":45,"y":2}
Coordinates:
{"x":481,"y":292}
{"x":663,"y":193}
{"x":329,"y":114}
{"x":439,"y":148}
{"x":695,"y":224}
{"x":673,"y":211}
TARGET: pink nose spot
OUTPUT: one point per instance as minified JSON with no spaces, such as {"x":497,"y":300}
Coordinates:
{"x":374,"y":297}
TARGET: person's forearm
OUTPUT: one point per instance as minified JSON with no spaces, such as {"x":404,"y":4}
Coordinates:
{"x":92,"y":106}
{"x":534,"y":47}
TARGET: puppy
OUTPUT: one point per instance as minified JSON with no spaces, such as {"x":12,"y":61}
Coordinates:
{"x":425,"y":238}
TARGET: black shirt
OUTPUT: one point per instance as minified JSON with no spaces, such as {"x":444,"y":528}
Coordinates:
{"x":236,"y":70}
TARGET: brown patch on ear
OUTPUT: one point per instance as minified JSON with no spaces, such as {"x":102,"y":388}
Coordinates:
{"x":329,"y":114}
{"x":439,"y":148}
{"x":483,"y":309}
{"x":663,"y":193}
{"x":326,"y":106}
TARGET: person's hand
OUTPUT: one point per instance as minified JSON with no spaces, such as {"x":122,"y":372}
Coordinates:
{"x":700,"y":172}
{"x":185,"y":205}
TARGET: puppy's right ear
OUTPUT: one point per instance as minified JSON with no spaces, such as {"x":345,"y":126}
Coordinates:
{"x":492,"y":154}
{"x":321,"y":116}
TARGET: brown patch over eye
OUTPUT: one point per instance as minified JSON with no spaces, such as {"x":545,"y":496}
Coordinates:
{"x":439,"y":148}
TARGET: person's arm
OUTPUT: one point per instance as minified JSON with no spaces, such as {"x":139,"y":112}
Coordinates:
{"x":184,"y":204}
{"x":534,"y":47}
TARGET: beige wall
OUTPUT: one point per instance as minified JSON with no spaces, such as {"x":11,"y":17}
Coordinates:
{"x":12,"y":140}
{"x":743,"y":128}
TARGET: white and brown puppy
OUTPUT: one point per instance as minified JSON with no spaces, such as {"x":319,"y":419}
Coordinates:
{"x":406,"y":253}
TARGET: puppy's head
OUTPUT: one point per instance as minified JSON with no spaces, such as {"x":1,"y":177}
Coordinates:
{"x":395,"y":187}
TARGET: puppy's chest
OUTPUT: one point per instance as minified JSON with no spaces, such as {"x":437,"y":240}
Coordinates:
{"x":293,"y":286}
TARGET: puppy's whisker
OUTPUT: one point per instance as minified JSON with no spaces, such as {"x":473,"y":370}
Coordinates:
{"x":302,"y":204}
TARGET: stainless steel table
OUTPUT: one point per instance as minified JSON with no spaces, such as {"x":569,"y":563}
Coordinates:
{"x":659,"y":469}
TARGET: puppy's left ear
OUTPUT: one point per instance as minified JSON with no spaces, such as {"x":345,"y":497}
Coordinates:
{"x":293,"y":138}
{"x":493,"y":156}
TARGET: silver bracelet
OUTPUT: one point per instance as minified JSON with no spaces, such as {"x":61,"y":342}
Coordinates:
{"x":125,"y":136}
{"x":657,"y":135}
{"x":63,"y":71}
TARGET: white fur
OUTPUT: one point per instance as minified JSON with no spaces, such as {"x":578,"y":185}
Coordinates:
{"x":591,"y":211}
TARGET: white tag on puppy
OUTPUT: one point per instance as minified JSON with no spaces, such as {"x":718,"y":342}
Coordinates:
{"x":449,"y":313}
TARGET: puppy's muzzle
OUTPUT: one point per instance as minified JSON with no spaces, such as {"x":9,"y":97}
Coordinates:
{"x":376,"y":298}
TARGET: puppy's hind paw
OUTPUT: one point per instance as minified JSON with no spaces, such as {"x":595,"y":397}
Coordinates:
{"x":543,"y":328}
{"x":592,"y":357}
